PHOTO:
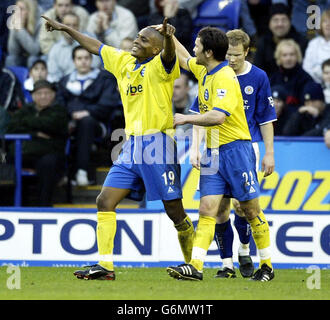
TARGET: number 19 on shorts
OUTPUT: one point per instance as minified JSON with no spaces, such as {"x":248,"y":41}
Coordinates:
{"x":168,"y":177}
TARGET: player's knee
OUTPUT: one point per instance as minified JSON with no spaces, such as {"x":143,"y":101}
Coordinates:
{"x":174,"y":210}
{"x":103,"y":203}
{"x":223,"y":212}
{"x":207,"y":209}
{"x":237,"y":208}
{"x":250,"y":212}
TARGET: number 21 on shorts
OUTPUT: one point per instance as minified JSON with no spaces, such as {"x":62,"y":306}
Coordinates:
{"x":246,"y":176}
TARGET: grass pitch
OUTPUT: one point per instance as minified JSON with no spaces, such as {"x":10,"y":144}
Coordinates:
{"x":50,"y":283}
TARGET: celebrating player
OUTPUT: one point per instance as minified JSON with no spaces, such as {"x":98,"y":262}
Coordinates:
{"x":260,"y":114}
{"x":228,"y":146}
{"x":145,"y":79}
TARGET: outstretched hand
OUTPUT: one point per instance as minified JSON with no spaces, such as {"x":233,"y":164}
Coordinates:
{"x":52,"y":25}
{"x":166,"y":29}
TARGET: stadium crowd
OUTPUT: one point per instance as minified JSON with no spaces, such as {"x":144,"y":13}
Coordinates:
{"x":35,"y":64}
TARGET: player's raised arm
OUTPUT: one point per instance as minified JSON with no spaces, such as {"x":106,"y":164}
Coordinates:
{"x":90,"y":44}
{"x":182,"y":54}
{"x":168,"y":53}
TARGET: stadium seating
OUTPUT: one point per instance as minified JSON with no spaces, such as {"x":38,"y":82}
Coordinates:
{"x":223,"y":14}
{"x":22,"y":73}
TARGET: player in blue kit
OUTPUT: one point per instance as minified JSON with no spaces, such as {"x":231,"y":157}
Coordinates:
{"x":260,"y":113}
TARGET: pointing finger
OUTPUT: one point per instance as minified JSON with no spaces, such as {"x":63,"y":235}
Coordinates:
{"x":165,"y":23}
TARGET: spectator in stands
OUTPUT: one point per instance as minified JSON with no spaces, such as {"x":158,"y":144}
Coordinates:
{"x":326,"y":80}
{"x":140,"y":9}
{"x":45,"y":5}
{"x":318,"y":49}
{"x":259,"y":12}
{"x":309,"y":115}
{"x":90,"y":97}
{"x":290,"y":75}
{"x":300,"y":14}
{"x":23,"y":44}
{"x":87,"y":4}
{"x":279,"y":96}
{"x":177,"y":17}
{"x":111,"y":23}
{"x":46,"y":122}
{"x":246,"y":21}
{"x":60,"y":61}
{"x":59,"y":10}
{"x":279,"y":28}
{"x":181,"y":99}
{"x":38,"y":71}
{"x":190,"y":5}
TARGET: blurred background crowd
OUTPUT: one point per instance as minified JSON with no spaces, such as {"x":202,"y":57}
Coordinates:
{"x":56,"y":91}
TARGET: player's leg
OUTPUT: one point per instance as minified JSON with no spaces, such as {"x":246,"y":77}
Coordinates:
{"x":243,"y":229}
{"x":182,"y":224}
{"x":224,"y":237}
{"x":239,"y":160}
{"x":161,"y":173}
{"x":204,"y":235}
{"x":260,"y":233}
{"x":107,"y":202}
{"x":119,"y":182}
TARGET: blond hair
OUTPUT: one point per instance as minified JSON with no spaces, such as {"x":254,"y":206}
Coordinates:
{"x":289,"y":43}
{"x":238,"y":36}
{"x":32,"y":7}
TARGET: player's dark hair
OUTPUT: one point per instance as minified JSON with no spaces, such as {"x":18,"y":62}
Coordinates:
{"x":325,"y":63}
{"x":216,"y":40}
{"x":77,"y":49}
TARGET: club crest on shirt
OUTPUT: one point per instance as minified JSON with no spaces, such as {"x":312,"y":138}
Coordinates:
{"x":248,"y":89}
{"x":206,"y":94}
{"x":143,"y":71}
{"x":221,"y":93}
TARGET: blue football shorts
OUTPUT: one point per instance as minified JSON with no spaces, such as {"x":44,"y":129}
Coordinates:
{"x":230,"y":170}
{"x":147,"y":164}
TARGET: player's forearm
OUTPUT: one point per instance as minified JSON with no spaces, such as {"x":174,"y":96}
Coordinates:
{"x":208,"y":119}
{"x":182,"y":53}
{"x":267,"y":132}
{"x":197,"y":136}
{"x":90,"y":44}
{"x":168,"y":54}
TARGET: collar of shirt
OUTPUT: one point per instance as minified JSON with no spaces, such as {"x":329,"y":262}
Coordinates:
{"x":216,"y":69}
{"x":138,"y":65}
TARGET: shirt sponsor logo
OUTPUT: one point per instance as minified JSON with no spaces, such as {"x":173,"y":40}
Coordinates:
{"x":271,"y":101}
{"x":134,"y":90}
